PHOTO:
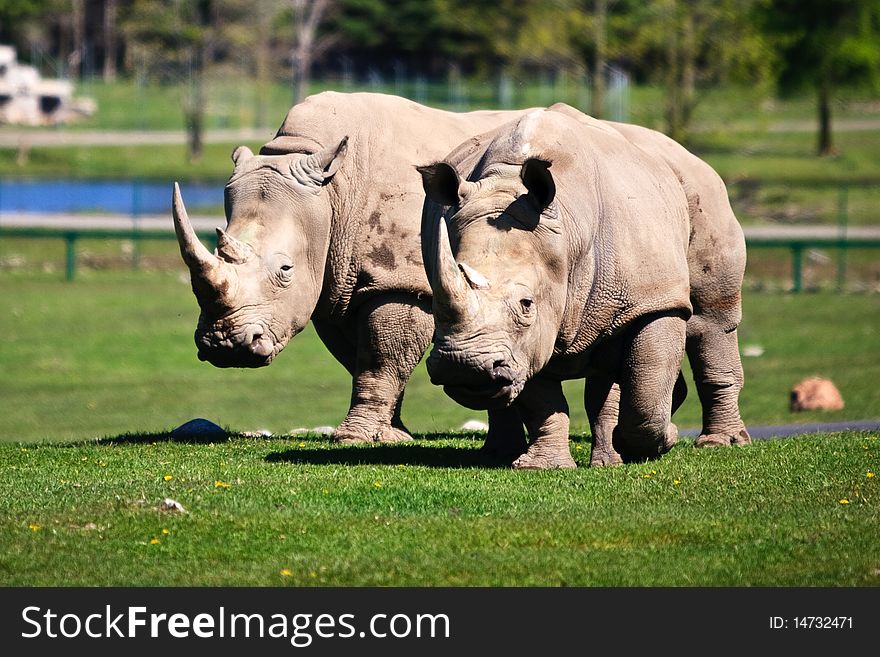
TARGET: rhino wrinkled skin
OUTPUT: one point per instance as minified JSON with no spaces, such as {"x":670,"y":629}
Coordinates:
{"x":558,"y":246}
{"x":323,"y":224}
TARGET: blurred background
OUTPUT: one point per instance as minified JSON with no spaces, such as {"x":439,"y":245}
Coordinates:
{"x":104,"y":103}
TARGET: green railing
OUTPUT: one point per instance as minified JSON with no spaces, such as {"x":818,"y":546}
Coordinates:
{"x":796,"y":246}
{"x":72,"y":236}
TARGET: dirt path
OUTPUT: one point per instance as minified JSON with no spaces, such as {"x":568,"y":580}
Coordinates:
{"x":48,"y":137}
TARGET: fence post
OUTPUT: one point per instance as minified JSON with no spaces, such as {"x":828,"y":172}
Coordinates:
{"x":70,"y":268}
{"x":797,"y":250}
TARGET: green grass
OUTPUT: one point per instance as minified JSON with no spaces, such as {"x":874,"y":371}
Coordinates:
{"x":95,"y":372}
{"x":431,"y":514}
{"x":113,"y":353}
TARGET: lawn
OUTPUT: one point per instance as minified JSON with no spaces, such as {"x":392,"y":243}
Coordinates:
{"x":96,"y":372}
{"x":113,"y":353}
{"x":268,"y":512}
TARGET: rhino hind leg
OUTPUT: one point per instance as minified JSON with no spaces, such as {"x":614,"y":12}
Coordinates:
{"x":392,"y":334}
{"x":718,"y":376}
{"x":544,"y":411}
{"x":650,"y":368}
{"x":602,"y":403}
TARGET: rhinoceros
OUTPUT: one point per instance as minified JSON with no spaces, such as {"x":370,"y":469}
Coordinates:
{"x":323,"y":224}
{"x":559,"y":247}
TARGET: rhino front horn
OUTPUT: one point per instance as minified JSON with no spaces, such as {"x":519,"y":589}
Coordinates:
{"x":201,"y":262}
{"x":452,"y":294}
{"x":193,"y":252}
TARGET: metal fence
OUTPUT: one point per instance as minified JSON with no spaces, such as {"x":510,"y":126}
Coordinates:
{"x":797,"y":247}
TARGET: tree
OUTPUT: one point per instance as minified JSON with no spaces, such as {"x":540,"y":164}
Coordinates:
{"x":111,"y":16}
{"x":689,"y":43}
{"x":826,"y":46}
{"x":307,"y":43}
{"x":181,"y":40}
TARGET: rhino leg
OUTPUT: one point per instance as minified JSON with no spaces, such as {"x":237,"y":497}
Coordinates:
{"x":649,"y":370}
{"x":393,"y":332}
{"x":602,"y":403}
{"x":714,"y":357}
{"x":544,"y":411}
{"x":506,"y":438}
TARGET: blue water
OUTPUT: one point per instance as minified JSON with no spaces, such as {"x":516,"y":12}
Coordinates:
{"x":123,"y":197}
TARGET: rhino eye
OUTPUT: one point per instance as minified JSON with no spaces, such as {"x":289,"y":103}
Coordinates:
{"x":526,"y":304}
{"x":286,"y":267}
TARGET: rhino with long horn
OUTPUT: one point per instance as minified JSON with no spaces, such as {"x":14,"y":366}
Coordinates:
{"x":560,"y":247}
{"x":323,"y":225}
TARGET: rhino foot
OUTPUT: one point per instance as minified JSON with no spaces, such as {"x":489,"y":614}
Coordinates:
{"x":384,"y":434}
{"x":633,"y":451}
{"x":503,"y":450}
{"x":544,"y":457}
{"x":600,"y":458}
{"x":723,"y":439}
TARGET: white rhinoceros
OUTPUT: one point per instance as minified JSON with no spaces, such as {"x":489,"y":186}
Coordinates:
{"x":602,"y":266}
{"x":323,"y":224}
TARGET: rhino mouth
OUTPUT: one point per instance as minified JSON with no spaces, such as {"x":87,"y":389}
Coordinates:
{"x":484,"y":396}
{"x":234,"y":357}
{"x":253,"y":350}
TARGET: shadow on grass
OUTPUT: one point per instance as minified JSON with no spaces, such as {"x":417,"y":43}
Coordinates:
{"x":441,"y":456}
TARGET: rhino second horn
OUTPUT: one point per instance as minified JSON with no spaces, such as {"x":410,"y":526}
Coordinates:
{"x":231,"y":249}
{"x":452,"y":293}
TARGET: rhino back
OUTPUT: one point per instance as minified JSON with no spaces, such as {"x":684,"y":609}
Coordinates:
{"x":717,"y":252}
{"x":377,"y":194}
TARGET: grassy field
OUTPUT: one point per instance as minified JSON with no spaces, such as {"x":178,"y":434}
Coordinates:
{"x":795,"y":512}
{"x":112,"y":353}
{"x":95,"y":372}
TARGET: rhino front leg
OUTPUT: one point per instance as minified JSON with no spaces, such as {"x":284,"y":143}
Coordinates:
{"x":718,"y":375}
{"x":650,"y":368}
{"x":506,"y":438}
{"x":544,"y":411}
{"x":393,"y":332}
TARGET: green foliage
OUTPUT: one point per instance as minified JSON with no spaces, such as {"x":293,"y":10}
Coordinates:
{"x":304,"y":512}
{"x":816,"y":41}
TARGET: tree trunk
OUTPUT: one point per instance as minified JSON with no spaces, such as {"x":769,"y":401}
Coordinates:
{"x":75,"y":58}
{"x":307,"y":15}
{"x":673,"y":72}
{"x":826,"y":144}
{"x":195,"y":110}
{"x":261,"y":62}
{"x":111,"y":14}
{"x":597,"y":108}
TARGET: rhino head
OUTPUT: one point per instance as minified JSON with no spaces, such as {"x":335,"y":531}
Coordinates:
{"x":498,"y":276}
{"x":261,"y":285}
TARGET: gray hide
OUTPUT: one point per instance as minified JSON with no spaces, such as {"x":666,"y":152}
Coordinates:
{"x":578,"y":248}
{"x":323,"y":224}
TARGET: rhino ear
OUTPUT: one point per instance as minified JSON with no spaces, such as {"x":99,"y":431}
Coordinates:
{"x":321,"y":166}
{"x":441,"y":183}
{"x":241,"y":154}
{"x":538,"y":180}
